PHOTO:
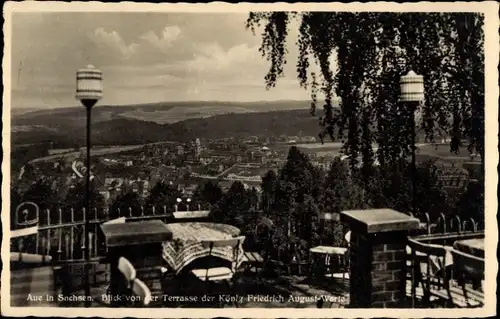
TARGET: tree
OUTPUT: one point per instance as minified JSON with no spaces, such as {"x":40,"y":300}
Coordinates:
{"x":163,"y":198}
{"x":341,"y":192}
{"x":40,"y":192}
{"x":234,"y":205}
{"x":76,"y":200}
{"x":391,"y":187}
{"x":373,"y":50}
{"x":268,"y":182}
{"x":127,"y":204}
{"x":471,"y":203}
{"x":209,"y":193}
{"x":293,"y":206}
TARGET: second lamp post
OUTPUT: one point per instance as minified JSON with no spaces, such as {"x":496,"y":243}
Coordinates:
{"x":412,"y":94}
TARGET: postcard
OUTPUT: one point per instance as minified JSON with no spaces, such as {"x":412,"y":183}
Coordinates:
{"x":250,"y":160}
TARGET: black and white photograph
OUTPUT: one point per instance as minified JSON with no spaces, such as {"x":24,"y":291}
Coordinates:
{"x":276,"y":160}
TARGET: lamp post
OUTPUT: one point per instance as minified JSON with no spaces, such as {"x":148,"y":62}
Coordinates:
{"x":412,"y":94}
{"x":88,"y":91}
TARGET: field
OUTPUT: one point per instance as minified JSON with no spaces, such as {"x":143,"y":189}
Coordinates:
{"x":177,"y":114}
{"x":247,"y":171}
{"x":94,"y":152}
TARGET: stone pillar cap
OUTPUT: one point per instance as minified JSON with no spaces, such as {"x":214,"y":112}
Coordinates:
{"x":380,"y":220}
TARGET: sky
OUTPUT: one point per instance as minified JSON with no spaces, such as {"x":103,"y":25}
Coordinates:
{"x":145,"y":57}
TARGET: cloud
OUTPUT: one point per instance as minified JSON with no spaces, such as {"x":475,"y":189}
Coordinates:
{"x":168,"y":36}
{"x":212,"y":57}
{"x":144,"y":58}
{"x":112,"y":40}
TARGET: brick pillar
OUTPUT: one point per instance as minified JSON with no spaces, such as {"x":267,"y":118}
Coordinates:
{"x":378,"y":257}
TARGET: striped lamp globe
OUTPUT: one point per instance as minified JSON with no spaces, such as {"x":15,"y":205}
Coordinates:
{"x":412,"y":87}
{"x":89,"y":85}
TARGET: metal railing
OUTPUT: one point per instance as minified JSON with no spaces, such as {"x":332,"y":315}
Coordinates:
{"x":445,"y":232}
{"x":61,"y":234}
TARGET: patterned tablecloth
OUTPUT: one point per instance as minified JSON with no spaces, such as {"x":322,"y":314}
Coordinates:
{"x":474,"y":247}
{"x":186,"y":244}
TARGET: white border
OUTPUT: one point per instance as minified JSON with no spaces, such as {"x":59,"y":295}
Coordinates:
{"x":490,"y":10}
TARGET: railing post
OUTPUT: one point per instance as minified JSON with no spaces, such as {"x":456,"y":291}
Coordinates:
{"x":459,"y":224}
{"x":67,"y":246}
{"x":59,"y":244}
{"x":443,"y":218}
{"x":474,"y":225}
{"x":153,"y":208}
{"x":20,"y":244}
{"x":142,"y":211}
{"x":129,"y":211}
{"x":44,"y":246}
{"x":90,"y":245}
{"x":84,"y":241}
{"x":428,"y":221}
{"x":378,"y":257}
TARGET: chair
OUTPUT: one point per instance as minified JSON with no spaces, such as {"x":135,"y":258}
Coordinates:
{"x":128,"y":270}
{"x":436,"y":284}
{"x":221,"y":274}
{"x":346,"y":256}
{"x":468,"y":268}
{"x":141,"y":290}
{"x":254,"y":259}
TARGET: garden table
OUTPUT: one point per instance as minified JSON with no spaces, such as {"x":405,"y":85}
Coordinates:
{"x":329,"y":251}
{"x":186,"y":245}
{"x":474,"y":246}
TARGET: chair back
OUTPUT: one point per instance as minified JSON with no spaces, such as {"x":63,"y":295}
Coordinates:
{"x":120,"y":220}
{"x":127,"y":269}
{"x":347,"y":238}
{"x":228,"y":242}
{"x":267,"y":222}
{"x":424,"y":258}
{"x":469,"y":265}
{"x":141,"y":290}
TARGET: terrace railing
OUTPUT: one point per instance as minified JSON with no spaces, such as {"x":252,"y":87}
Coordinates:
{"x":61,"y":234}
{"x":443,"y":233}
{"x":57,"y":239}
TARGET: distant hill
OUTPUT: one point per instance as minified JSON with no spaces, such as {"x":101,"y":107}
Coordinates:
{"x":161,"y":113}
{"x":67,"y":128}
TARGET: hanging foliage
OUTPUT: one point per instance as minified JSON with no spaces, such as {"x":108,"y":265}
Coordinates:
{"x":373,"y":51}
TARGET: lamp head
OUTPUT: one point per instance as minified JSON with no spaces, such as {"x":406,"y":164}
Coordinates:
{"x":412,"y":87}
{"x":89,"y":85}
